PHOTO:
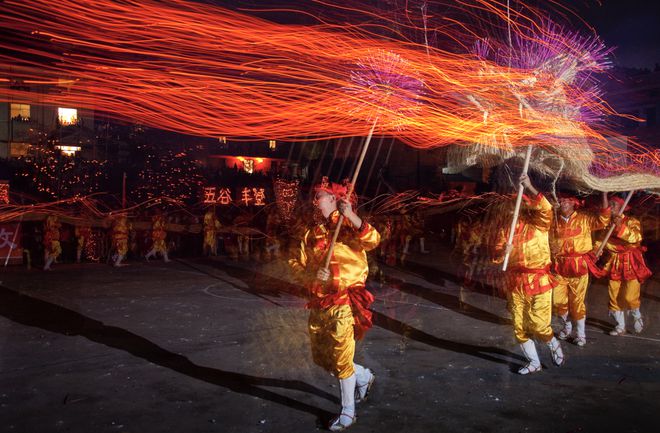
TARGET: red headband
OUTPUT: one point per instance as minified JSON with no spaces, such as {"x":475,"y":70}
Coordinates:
{"x":339,"y":191}
{"x":619,"y":200}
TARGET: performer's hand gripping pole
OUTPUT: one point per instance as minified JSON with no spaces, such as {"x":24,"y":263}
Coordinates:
{"x":611,"y":230}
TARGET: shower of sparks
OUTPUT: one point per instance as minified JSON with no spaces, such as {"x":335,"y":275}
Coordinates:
{"x":205,"y":70}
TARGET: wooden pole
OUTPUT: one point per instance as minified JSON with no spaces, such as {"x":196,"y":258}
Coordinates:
{"x":350,"y":191}
{"x":611,"y":230}
{"x":123,"y":191}
{"x":516,"y":211}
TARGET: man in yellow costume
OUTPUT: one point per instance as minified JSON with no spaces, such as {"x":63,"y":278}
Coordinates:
{"x":572,"y":246}
{"x":626,"y":269}
{"x":120,"y":229}
{"x":158,"y":236}
{"x":528,"y":279}
{"x":83,"y":232}
{"x":52,"y":247}
{"x":211,"y":227}
{"x":339,"y":301}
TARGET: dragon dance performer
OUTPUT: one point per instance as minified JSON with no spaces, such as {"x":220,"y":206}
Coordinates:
{"x":158,"y":236}
{"x":52,"y":247}
{"x":528,"y":279}
{"x":83,"y":232}
{"x":572,"y":246}
{"x":625,"y":268}
{"x":120,"y":229}
{"x":211,"y":227}
{"x":339,"y":301}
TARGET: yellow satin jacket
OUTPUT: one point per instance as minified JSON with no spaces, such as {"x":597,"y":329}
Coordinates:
{"x":349,"y":258}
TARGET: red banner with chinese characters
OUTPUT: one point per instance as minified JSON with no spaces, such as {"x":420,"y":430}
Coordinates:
{"x":10,"y":244}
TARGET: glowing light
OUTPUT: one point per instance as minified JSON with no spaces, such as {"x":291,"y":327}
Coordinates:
{"x":259,"y":196}
{"x":209,"y":194}
{"x":20,"y":111}
{"x":248,"y":165}
{"x":246,"y":197}
{"x":255,"y":196}
{"x":4,"y":191}
{"x":224,"y":196}
{"x":68,"y":150}
{"x":67,"y":116}
{"x":272,"y":144}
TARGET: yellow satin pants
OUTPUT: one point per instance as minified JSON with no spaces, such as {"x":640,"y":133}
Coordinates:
{"x":568,"y":296}
{"x":159,"y":246}
{"x":532,"y":315}
{"x":210,"y":240}
{"x":55,"y":249}
{"x":624,"y":295}
{"x":332,"y":339}
{"x":121,"y":246}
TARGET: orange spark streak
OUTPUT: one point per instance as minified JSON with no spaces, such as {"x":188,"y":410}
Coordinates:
{"x":209,"y":71}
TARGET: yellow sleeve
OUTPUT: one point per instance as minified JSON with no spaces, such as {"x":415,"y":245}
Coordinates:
{"x":630,"y":231}
{"x":600,"y":220}
{"x":541,"y":212}
{"x":298,"y":263}
{"x":369,"y":236}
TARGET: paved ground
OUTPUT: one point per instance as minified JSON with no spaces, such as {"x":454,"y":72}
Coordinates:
{"x":212,"y":346}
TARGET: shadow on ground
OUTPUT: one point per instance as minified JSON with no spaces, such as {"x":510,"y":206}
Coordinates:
{"x":35,"y":312}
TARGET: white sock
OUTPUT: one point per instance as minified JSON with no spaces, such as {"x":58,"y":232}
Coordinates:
{"x":361,"y":374}
{"x":347,"y":387}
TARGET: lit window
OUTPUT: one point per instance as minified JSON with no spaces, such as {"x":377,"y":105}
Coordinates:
{"x":67,"y":116}
{"x":272,"y":144}
{"x":248,"y":165}
{"x":20,"y":111}
{"x":68,"y":150}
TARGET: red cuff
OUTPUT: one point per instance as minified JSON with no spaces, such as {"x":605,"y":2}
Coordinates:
{"x":364,"y":229}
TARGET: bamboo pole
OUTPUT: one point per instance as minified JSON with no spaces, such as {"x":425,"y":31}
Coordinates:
{"x":516,"y":211}
{"x":326,"y":266}
{"x":611,"y":230}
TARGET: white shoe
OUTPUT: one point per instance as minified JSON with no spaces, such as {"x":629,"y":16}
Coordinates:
{"x":581,"y":339}
{"x":557,"y":353}
{"x":347,"y":416}
{"x":529,"y":369}
{"x":534,"y":364}
{"x":362,"y":391}
{"x":638,"y":324}
{"x":342,"y":422}
{"x":567,"y":328}
{"x":620,"y":320}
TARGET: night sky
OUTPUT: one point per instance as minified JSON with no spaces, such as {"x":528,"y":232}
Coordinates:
{"x":633,"y":26}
